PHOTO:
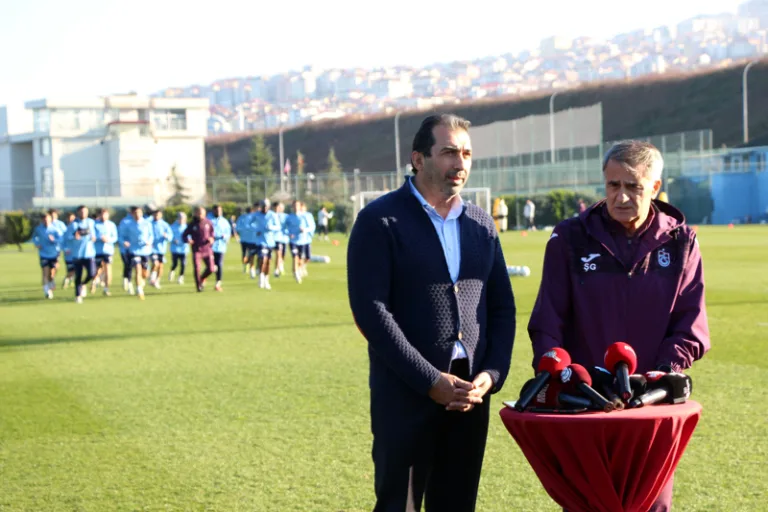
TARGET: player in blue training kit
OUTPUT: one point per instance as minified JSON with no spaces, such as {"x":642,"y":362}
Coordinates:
{"x":106,"y":237}
{"x":222,"y":232}
{"x":62,"y":229}
{"x":139,"y":239}
{"x":293,"y":227}
{"x":82,"y":235}
{"x":266,"y":224}
{"x":179,"y":248}
{"x":47,"y":239}
{"x":247,"y":239}
{"x":312,"y":228}
{"x":162,"y":234}
{"x":281,"y":239}
{"x":67,"y":246}
{"x":125,"y":256}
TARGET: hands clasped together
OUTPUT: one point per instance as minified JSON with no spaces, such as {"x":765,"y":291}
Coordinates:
{"x":460,"y":395}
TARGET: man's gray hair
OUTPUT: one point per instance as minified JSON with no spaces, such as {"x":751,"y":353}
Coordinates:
{"x":634,"y":154}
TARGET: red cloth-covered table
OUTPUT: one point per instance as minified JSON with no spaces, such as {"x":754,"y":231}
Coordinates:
{"x":605,"y":462}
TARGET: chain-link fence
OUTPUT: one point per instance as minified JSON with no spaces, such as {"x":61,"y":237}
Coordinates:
{"x":710,"y":186}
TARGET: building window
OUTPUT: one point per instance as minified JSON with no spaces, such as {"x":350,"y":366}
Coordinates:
{"x":170,"y":120}
{"x":45,"y":147}
{"x":42,"y":120}
{"x":47,"y":176}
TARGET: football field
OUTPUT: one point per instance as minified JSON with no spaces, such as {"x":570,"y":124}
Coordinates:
{"x":258,"y":400}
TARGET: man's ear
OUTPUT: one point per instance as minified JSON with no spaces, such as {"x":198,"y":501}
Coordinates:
{"x":417,"y":160}
{"x":656,"y":189}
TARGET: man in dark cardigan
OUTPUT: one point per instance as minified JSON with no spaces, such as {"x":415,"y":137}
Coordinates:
{"x":429,"y":290}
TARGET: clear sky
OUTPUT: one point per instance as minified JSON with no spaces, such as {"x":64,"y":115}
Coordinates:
{"x":96,"y":47}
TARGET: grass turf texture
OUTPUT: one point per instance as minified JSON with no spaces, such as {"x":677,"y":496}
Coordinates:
{"x":256,"y":400}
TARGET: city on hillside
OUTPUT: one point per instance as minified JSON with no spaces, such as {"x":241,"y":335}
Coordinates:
{"x":292,"y":98}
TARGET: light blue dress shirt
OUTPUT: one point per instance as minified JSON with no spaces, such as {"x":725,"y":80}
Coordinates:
{"x":449,"y":234}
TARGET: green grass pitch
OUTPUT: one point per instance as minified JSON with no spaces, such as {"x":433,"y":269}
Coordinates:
{"x":257,"y":400}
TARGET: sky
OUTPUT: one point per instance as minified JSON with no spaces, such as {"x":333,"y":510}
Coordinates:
{"x":98,"y":47}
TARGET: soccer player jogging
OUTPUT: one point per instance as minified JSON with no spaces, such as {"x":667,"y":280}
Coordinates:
{"x":199,"y":232}
{"x":139,"y":238}
{"x":69,"y":254}
{"x":266,"y":224}
{"x":122,"y":236}
{"x":106,"y":237}
{"x":297,"y":237}
{"x":308,"y":227}
{"x":281,"y":239}
{"x":179,"y":248}
{"x":47,"y":238}
{"x":82,"y":235}
{"x":62,"y":229}
{"x":162,"y":234}
{"x":247,"y":239}
{"x":222,"y":232}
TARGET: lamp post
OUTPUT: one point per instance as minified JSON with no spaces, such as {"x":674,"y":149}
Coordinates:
{"x":553,"y":157}
{"x":745,"y":100}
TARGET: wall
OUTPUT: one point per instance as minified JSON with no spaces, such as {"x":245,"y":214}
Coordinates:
{"x":5,"y":177}
{"x":22,"y":172}
{"x":188,"y":155}
{"x":735,"y":196}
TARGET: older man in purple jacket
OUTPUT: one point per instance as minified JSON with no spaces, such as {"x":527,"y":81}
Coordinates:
{"x":626,"y":269}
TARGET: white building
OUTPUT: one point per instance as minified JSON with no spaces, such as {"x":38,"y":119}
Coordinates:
{"x":110,"y":151}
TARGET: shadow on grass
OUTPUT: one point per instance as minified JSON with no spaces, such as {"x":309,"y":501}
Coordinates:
{"x":50,"y":340}
{"x":32,"y":296}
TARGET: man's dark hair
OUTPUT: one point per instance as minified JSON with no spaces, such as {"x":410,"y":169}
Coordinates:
{"x":425,"y":138}
{"x":53,"y":211}
{"x":215,"y":206}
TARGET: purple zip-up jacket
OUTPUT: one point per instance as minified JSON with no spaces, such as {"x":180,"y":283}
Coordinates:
{"x":201,"y":233}
{"x":591,"y":296}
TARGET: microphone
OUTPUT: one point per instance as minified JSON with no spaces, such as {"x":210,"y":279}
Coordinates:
{"x":577,"y":401}
{"x":621,"y":360}
{"x":576,"y":376}
{"x":550,"y":365}
{"x":603,"y":381}
{"x":638,"y":384}
{"x":547,"y":397}
{"x":669,"y":388}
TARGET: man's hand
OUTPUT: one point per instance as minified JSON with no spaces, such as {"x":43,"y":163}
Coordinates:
{"x":50,"y":237}
{"x":77,"y":235}
{"x":127,"y":244}
{"x":452,"y":390}
{"x":480,"y":387}
{"x":104,"y":238}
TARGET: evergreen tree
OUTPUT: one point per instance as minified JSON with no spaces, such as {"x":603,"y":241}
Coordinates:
{"x":262,"y":160}
{"x":180,"y":195}
{"x":335,"y":188}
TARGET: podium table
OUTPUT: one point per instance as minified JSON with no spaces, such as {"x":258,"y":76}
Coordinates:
{"x":605,"y":462}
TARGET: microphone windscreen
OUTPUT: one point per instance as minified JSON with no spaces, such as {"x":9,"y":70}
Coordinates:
{"x":547,"y":397}
{"x":527,"y":384}
{"x":620,"y":352}
{"x":601,"y":376}
{"x":554,"y":360}
{"x":638,"y":384}
{"x":654,"y":376}
{"x":576,"y":373}
{"x":679,"y":387}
